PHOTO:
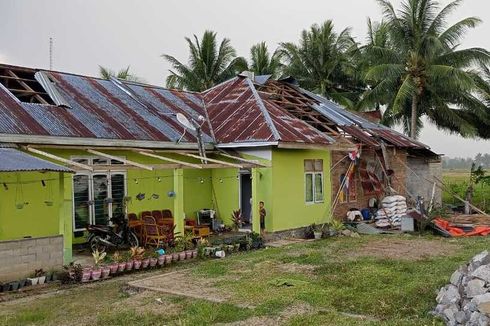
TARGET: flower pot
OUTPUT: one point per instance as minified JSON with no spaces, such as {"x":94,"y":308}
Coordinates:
{"x":86,"y":274}
{"x":55,"y":277}
{"x":188,"y":254}
{"x":121,"y":267}
{"x":175,"y":257}
{"x":33,"y":280}
{"x":145,"y":263}
{"x":182,"y":255}
{"x":114,"y":267}
{"x":129,"y":265}
{"x":14,"y":286}
{"x":317,"y":234}
{"x":169,"y":259}
{"x":153,"y":262}
{"x":96,"y":274}
{"x":161,"y":260}
{"x":194,"y":253}
{"x":5,"y":287}
{"x":106,"y":271}
{"x":42,"y":279}
{"x":136,"y":264}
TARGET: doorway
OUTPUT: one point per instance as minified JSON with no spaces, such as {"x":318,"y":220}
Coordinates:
{"x":246,"y":198}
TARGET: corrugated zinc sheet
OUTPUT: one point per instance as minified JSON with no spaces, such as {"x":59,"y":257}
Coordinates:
{"x":238,"y":113}
{"x":13,"y":160}
{"x":100,"y":109}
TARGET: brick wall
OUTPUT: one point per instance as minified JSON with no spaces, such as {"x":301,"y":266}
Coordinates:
{"x":369,"y":156}
{"x":21,"y":257}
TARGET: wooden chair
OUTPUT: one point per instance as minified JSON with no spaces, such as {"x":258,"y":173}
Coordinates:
{"x":145,"y":213}
{"x":167,"y":213}
{"x":137,"y":226}
{"x":153,"y":233}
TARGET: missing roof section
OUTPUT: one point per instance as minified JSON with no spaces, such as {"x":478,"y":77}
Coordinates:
{"x":31,"y":86}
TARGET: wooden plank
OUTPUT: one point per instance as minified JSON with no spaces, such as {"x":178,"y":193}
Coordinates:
{"x":168,"y":159}
{"x":27,"y":87}
{"x":213,"y":160}
{"x":57,"y":158}
{"x":242,"y":159}
{"x":112,"y":157}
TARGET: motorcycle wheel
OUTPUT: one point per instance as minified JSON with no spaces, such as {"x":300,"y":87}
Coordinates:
{"x":133,"y":240}
{"x":96,"y":245}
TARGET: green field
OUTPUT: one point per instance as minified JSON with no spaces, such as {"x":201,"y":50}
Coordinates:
{"x":458,"y":180}
{"x":372,"y":280}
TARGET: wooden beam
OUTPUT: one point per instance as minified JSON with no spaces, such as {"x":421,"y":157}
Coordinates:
{"x":243,"y":160}
{"x":213,"y":160}
{"x":57,"y":158}
{"x":27,"y":87}
{"x":168,"y":159}
{"x":112,"y":157}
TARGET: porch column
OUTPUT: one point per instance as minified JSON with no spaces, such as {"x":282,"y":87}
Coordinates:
{"x":64,"y":220}
{"x":255,"y":201}
{"x":179,"y":200}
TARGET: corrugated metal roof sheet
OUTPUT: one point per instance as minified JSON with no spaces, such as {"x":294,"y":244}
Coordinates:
{"x":100,"y":109}
{"x":13,"y":160}
{"x":359,"y":127}
{"x":239,"y":114}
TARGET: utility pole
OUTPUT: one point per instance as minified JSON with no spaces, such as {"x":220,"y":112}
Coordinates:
{"x":50,"y":53}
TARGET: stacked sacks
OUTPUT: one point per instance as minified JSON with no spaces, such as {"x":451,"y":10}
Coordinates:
{"x":393,"y":208}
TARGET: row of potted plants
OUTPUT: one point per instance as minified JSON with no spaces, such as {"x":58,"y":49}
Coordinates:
{"x":39,"y":276}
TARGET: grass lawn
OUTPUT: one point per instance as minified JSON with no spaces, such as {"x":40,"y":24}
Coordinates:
{"x":374,"y":280}
{"x":457,"y":181}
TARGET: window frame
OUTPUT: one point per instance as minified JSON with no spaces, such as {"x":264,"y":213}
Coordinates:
{"x":314,"y":174}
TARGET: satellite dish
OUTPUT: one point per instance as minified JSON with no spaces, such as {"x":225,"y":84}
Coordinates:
{"x":182,"y":119}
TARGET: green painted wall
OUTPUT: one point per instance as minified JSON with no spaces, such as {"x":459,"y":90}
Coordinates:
{"x":36,"y":218}
{"x":197,"y":191}
{"x":289,"y":209}
{"x":225,"y":193}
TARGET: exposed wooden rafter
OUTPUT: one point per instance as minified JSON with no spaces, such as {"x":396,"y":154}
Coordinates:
{"x":58,"y":158}
{"x":213,"y":160}
{"x":168,"y":159}
{"x":125,"y":161}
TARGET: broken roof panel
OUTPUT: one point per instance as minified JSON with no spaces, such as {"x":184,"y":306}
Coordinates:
{"x":14,"y":160}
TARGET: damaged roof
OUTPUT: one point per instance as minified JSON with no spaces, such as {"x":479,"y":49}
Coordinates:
{"x":103,"y":109}
{"x":239,"y":114}
{"x":365,"y":131}
{"x":14,"y":160}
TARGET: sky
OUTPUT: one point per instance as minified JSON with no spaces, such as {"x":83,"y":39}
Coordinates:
{"x":118,"y":33}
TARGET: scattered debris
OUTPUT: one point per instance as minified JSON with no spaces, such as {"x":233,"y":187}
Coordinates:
{"x":466,"y":299}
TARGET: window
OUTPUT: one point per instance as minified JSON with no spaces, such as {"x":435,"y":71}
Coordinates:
{"x":313,"y":181}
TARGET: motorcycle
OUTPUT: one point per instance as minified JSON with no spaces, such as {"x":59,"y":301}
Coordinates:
{"x":118,"y":235}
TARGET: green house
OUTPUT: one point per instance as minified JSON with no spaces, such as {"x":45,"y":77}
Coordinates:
{"x":134,"y":147}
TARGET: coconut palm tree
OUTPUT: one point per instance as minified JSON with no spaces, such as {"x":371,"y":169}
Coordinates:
{"x":323,"y":62}
{"x":426,"y":71}
{"x":208,"y":64}
{"x":121,"y":74}
{"x":262,"y":62}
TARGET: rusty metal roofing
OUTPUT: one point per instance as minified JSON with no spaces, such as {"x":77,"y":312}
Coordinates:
{"x":14,"y":160}
{"x":238,"y":114}
{"x":367,"y":132}
{"x":100,"y":109}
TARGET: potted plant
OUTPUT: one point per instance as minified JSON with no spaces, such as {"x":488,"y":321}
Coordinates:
{"x":317,"y":231}
{"x":169,"y":257}
{"x":137,"y":256}
{"x":236,"y":217}
{"x":98,"y":258}
{"x":154,"y":259}
{"x":119,"y":260}
{"x":175,"y":254}
{"x":145,"y":262}
{"x":129,"y":261}
{"x":113,"y":265}
{"x":202,"y":243}
{"x":161,"y":258}
{"x":335,"y":227}
{"x":22,"y":283}
{"x":179,"y":248}
{"x":188,"y":244}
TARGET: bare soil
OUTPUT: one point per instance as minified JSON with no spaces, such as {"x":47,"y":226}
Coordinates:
{"x":416,"y":249}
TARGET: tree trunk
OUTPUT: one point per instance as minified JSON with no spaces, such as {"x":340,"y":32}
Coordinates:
{"x":413,"y":117}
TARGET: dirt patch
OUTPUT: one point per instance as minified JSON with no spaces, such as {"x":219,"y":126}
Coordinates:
{"x":182,"y":283}
{"x":148,"y":302}
{"x":416,"y":249}
{"x":296,"y":268}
